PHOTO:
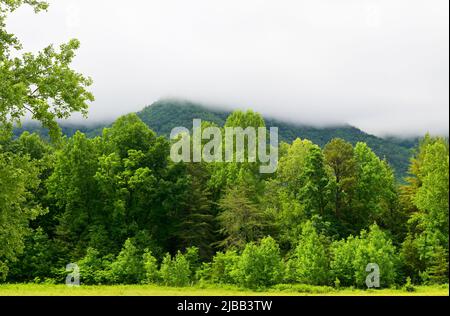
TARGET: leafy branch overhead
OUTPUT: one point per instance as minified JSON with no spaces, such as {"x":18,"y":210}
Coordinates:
{"x":42,"y":85}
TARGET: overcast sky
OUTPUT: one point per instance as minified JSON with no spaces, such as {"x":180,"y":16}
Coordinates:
{"x":381,"y":65}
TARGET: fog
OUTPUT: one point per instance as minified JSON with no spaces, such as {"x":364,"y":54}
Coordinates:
{"x":380,"y":65}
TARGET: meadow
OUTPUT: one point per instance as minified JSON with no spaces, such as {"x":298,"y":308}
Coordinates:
{"x":155,"y":290}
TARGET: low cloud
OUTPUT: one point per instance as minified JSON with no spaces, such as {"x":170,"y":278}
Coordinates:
{"x":379,"y":65}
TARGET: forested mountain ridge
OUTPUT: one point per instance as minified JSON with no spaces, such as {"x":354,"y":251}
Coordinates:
{"x":163,"y":115}
{"x":166,"y":114}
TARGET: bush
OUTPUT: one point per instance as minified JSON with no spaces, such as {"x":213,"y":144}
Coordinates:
{"x":89,"y":266}
{"x":220,"y":270}
{"x":259,"y":265}
{"x":376,"y":247}
{"x":343,"y":254}
{"x":409,"y":286}
{"x":192,"y":256}
{"x":176,"y":271}
{"x":351,"y":257}
{"x":310,"y":263}
{"x":128,"y":267}
{"x":150,"y":267}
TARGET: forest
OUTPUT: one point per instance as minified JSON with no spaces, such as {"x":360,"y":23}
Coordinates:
{"x":126,"y":214}
{"x":165,"y":114}
{"x":119,"y":208}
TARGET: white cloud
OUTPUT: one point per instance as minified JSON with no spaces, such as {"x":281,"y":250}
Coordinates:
{"x":380,"y":65}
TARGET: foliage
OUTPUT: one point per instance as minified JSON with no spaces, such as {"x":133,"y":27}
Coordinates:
{"x":259,"y":265}
{"x":351,"y":257}
{"x":310,"y":262}
{"x":128,"y":267}
{"x":41,"y":84}
{"x":166,"y":114}
{"x":175,"y":271}
{"x":18,"y":179}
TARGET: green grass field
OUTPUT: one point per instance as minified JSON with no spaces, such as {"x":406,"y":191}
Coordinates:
{"x":153,"y":290}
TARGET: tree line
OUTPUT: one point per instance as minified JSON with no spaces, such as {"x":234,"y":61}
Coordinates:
{"x":125,"y":213}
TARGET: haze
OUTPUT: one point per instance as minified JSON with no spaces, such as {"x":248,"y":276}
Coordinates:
{"x":380,"y":65}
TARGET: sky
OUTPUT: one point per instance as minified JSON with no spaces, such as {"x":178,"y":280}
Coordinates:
{"x":380,"y":65}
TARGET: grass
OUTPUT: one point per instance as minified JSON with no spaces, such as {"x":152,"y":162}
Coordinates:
{"x":155,"y":290}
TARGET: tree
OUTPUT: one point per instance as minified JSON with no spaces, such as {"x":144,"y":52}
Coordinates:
{"x":310,"y":262}
{"x":292,"y":165}
{"x":220,"y":270}
{"x":339,"y":155}
{"x":142,"y":191}
{"x":18,"y":179}
{"x":41,"y":84}
{"x":35,"y":261}
{"x":75,"y":194}
{"x":196,"y":222}
{"x":350,"y":258}
{"x":376,"y":247}
{"x":150,"y":267}
{"x":425,"y":249}
{"x":375,"y":196}
{"x":315,"y":192}
{"x":229,"y":174}
{"x":128,"y":268}
{"x":175,"y":271}
{"x":240,"y":220}
{"x":260,"y":265}
{"x":342,"y":256}
{"x":284,"y":213}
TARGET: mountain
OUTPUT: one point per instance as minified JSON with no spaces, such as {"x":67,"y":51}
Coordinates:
{"x":166,"y":114}
{"x":163,"y":115}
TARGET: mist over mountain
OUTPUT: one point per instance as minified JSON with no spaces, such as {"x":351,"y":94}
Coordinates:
{"x":162,"y":116}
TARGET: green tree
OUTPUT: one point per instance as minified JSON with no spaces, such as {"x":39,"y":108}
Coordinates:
{"x":375,"y":196}
{"x":220,"y":270}
{"x":425,"y":250}
{"x":260,"y":265}
{"x":18,"y":179}
{"x":376,"y":247}
{"x":240,"y":220}
{"x":128,"y":268}
{"x":343,"y":254}
{"x":74,"y":191}
{"x":284,"y":213}
{"x":315,"y":191}
{"x":310,"y":262}
{"x":196,"y":223}
{"x":41,"y":84}
{"x":175,"y":271}
{"x":150,"y":267}
{"x":350,"y":258}
{"x":339,"y":156}
{"x":292,"y":165}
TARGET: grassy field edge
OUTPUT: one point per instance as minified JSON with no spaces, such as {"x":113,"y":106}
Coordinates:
{"x":156,"y":290}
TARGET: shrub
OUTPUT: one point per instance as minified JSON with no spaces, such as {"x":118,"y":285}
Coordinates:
{"x":409,"y":286}
{"x":89,"y":266}
{"x":192,"y":256}
{"x":350,"y":258}
{"x":150,"y":267}
{"x":343,"y":254}
{"x":376,"y":247}
{"x":220,"y":270}
{"x":310,"y":263}
{"x":128,"y":267}
{"x":176,"y":271}
{"x":259,"y":265}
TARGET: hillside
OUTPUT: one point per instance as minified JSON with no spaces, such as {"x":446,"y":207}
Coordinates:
{"x":163,"y":115}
